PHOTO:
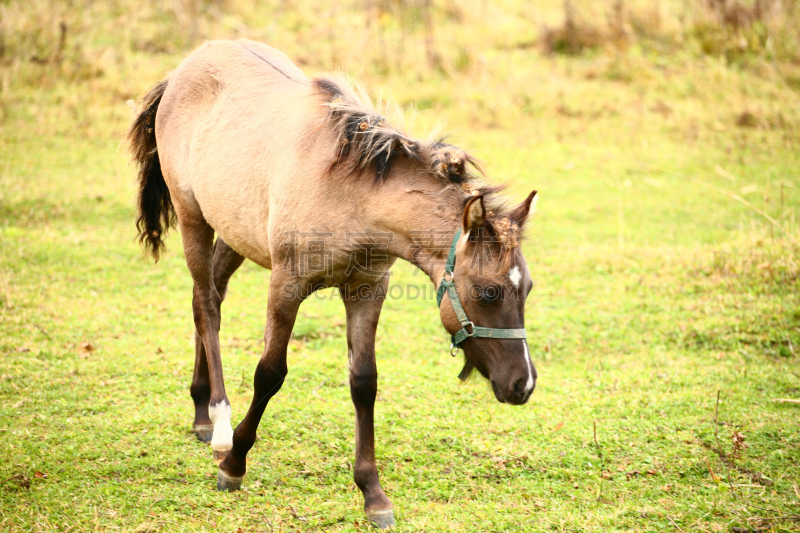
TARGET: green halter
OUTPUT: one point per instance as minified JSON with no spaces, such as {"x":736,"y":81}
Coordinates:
{"x":464,"y":333}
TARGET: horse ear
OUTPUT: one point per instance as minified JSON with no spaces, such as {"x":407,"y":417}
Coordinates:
{"x":474,"y":214}
{"x":521,"y":213}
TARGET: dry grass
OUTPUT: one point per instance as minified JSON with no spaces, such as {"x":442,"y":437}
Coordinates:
{"x":42,"y":42}
{"x":652,"y":290}
{"x":741,"y":31}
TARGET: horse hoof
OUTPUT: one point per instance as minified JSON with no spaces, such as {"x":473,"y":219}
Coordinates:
{"x":228,"y":483}
{"x":219,"y":456}
{"x":381,"y":518}
{"x":203,"y":433}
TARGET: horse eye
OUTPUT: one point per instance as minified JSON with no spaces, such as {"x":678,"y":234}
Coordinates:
{"x":489,"y":294}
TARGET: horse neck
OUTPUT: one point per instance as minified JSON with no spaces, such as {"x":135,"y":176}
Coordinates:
{"x":423,"y":223}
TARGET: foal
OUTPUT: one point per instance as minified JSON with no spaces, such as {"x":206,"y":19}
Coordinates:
{"x":304,"y":177}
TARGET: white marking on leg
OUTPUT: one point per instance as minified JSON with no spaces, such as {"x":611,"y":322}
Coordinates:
{"x":515,"y":276}
{"x":220,"y":415}
{"x":529,"y":383}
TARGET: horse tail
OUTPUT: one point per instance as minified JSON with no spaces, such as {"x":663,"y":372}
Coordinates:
{"x":156,"y":212}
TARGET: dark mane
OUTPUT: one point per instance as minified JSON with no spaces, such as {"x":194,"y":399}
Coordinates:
{"x":367,"y":140}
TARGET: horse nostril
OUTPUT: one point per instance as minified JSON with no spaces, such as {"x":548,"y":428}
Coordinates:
{"x":519,"y":387}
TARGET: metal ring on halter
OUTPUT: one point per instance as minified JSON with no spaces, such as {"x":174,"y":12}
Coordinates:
{"x":470,"y":325}
{"x":444,"y":276}
{"x":453,"y":349}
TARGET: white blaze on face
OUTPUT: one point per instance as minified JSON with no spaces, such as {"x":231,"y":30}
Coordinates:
{"x":515,"y":276}
{"x":529,"y":383}
{"x":220,"y":415}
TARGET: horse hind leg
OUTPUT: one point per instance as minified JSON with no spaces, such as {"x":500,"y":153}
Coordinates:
{"x":202,"y":427}
{"x":198,"y":246}
{"x":226,"y":262}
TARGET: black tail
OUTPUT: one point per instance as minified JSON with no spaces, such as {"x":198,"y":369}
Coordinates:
{"x":156,"y":213}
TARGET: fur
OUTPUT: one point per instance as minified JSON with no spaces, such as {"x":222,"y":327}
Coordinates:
{"x":241,"y":144}
{"x":366,"y":139}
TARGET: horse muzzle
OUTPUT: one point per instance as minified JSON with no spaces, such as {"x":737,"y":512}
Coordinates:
{"x":517,"y":394}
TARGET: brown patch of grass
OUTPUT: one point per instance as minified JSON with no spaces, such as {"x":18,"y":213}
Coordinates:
{"x":775,"y":261}
{"x":735,"y":29}
{"x":576,"y":34}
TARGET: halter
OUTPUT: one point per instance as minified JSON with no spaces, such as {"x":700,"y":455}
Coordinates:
{"x":464,"y":333}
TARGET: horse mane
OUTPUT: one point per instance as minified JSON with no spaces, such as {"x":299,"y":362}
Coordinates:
{"x":366,"y":139}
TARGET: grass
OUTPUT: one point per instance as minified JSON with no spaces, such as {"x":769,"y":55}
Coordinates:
{"x":653,"y":292}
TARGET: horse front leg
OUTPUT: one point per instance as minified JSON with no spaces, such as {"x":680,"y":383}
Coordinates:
{"x":225,"y":263}
{"x":362,"y":322}
{"x":270,"y":373}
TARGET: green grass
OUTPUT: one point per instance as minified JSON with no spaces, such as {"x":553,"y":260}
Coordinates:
{"x":652,"y":293}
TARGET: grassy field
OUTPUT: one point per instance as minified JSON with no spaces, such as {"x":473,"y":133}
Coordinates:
{"x":664,"y":321}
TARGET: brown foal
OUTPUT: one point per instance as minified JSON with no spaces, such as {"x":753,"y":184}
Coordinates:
{"x":304,"y":177}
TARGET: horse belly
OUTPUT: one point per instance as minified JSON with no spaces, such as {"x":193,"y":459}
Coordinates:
{"x":230,"y":172}
{"x":239,"y":220}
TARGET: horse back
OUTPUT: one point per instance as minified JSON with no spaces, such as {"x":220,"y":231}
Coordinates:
{"x":234,"y":135}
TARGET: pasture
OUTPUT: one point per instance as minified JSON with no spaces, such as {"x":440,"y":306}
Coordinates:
{"x":664,"y":321}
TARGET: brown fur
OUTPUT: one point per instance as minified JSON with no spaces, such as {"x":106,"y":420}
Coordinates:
{"x":365,"y":134}
{"x":250,"y":149}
